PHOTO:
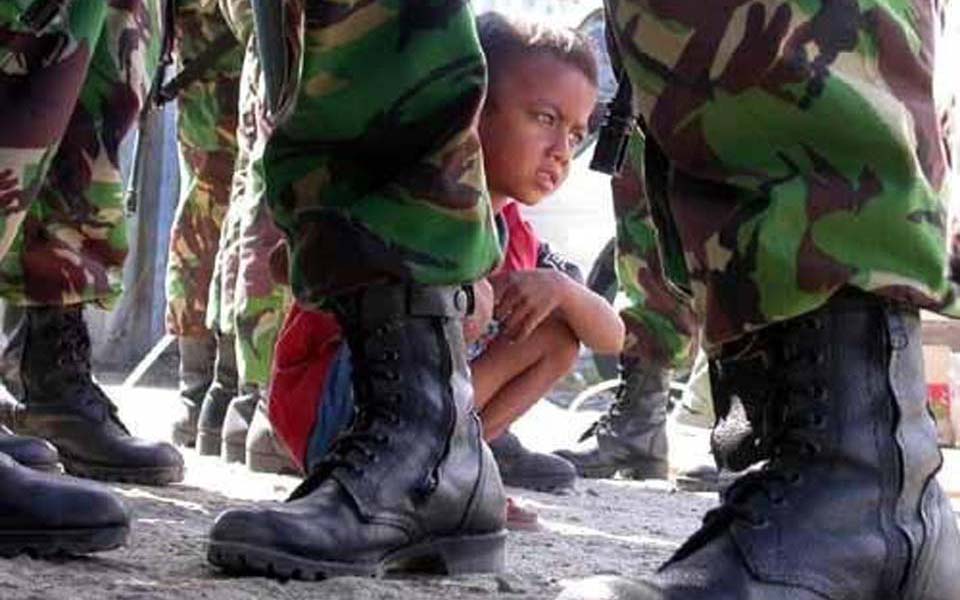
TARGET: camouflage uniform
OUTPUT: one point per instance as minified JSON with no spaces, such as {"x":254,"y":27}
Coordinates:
{"x":71,"y":95}
{"x":208,"y":146}
{"x":422,"y":214}
{"x":776,"y":201}
{"x":661,"y":326}
{"x":247,"y":302}
{"x":797,"y":167}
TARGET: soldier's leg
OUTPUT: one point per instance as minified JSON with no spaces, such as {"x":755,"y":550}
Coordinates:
{"x":70,"y":253}
{"x":257,"y":306}
{"x":207,"y":126}
{"x":260,"y":309}
{"x":375,"y":176}
{"x":631,"y":438}
{"x":808,"y":258}
{"x":42,"y":69}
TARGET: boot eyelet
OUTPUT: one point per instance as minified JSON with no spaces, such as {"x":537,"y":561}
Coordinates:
{"x":818,"y":421}
{"x":794,"y":478}
{"x":761,"y":523}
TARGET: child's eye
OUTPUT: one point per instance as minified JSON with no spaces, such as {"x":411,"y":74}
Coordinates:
{"x":546,"y":119}
{"x":576,"y":139}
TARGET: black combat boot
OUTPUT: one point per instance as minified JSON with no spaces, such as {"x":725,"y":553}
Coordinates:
{"x":218,"y":397}
{"x":30,"y":452}
{"x":197,"y":356}
{"x":522,"y":468}
{"x":631,"y":438}
{"x":848,"y":506}
{"x":64,"y":405}
{"x":46,"y":515}
{"x":236,"y":424}
{"x":411,"y":484}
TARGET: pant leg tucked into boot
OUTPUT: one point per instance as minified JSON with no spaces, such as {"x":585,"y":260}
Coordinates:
{"x":848,"y":505}
{"x":631,"y":438}
{"x":197,"y":357}
{"x":411,"y":484}
{"x":64,"y":405}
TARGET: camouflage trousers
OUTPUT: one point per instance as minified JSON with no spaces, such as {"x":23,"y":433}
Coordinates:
{"x":803,"y":151}
{"x":660,"y":324}
{"x":72,"y":90}
{"x":374,"y":172}
{"x":245,"y":301}
{"x":207,"y":136}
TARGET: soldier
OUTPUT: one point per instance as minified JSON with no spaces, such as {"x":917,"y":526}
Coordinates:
{"x":374,"y":173}
{"x":796,"y":155}
{"x":207,"y":136}
{"x":247,"y":304}
{"x":631,"y":438}
{"x":73,"y":77}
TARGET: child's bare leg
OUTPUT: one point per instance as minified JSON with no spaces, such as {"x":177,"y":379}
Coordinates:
{"x":511,"y":376}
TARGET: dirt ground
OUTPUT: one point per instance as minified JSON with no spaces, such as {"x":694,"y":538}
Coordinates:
{"x":602,"y":527}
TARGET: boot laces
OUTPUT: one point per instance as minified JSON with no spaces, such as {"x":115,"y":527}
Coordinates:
{"x":624,"y":399}
{"x":377,"y":410}
{"x":74,"y":351}
{"x":792,"y":414}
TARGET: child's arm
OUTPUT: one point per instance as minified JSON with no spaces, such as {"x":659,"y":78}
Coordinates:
{"x":525,"y":298}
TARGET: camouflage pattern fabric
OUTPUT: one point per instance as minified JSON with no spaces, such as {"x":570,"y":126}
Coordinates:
{"x":207,"y":113}
{"x":661,"y":327}
{"x":71,"y":93}
{"x":374,"y":172}
{"x":248,"y":303}
{"x":806,"y":147}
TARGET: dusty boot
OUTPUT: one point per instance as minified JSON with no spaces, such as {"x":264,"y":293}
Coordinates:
{"x":197,"y":355}
{"x":64,"y":405}
{"x":47,"y":515}
{"x":30,"y":452}
{"x":632,"y":437}
{"x":522,"y":468}
{"x":411,"y":484}
{"x":218,"y":397}
{"x":848,"y":506}
{"x":236,"y":424}
{"x":265,"y":453}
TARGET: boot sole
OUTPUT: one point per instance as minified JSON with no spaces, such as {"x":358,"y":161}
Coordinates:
{"x":260,"y":462}
{"x":208,"y":443}
{"x":141,"y":475}
{"x":543,"y":484}
{"x":452,"y":556}
{"x":61,"y":542}
{"x":233,"y":453}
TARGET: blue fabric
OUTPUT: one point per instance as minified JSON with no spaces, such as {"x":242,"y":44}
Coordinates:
{"x":335,"y":409}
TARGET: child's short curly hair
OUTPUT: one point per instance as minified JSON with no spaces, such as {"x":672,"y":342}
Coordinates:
{"x":504,"y":39}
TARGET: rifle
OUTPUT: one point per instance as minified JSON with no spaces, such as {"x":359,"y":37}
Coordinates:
{"x":151,"y":104}
{"x":619,"y":124}
{"x":268,"y":21}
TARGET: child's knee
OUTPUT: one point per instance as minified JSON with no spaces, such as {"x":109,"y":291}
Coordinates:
{"x":562,"y":347}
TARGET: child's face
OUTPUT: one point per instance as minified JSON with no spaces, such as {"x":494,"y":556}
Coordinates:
{"x":536,"y":116}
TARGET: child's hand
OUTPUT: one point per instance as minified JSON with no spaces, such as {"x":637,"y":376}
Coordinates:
{"x":525,"y":298}
{"x":475,"y":325}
